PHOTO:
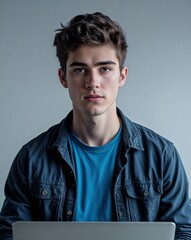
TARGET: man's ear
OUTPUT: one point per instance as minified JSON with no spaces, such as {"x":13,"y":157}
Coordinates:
{"x":62,"y":78}
{"x":124,"y":74}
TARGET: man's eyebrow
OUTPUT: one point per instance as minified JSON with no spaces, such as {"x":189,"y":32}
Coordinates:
{"x":74,"y":64}
{"x":77,"y":64}
{"x":105,"y":63}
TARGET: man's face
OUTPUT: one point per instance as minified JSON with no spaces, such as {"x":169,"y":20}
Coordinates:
{"x":93,"y":78}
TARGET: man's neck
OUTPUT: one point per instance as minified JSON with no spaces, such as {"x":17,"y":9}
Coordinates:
{"x":96,"y":130}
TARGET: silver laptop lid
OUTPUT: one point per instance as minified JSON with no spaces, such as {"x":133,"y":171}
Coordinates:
{"x":93,"y":231}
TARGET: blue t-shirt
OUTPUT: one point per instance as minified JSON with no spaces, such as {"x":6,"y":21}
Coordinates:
{"x":94,"y":169}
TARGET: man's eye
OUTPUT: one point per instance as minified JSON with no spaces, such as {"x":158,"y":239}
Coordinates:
{"x":80,"y":70}
{"x":105,"y":69}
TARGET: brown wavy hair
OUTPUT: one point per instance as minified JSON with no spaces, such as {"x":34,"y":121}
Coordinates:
{"x":89,"y":29}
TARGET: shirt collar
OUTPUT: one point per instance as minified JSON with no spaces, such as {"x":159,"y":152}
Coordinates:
{"x":130,"y":133}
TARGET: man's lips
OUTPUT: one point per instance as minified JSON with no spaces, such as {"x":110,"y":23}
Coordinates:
{"x":93,"y":97}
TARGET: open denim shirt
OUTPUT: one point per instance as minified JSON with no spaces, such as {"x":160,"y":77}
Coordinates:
{"x":150,"y":183}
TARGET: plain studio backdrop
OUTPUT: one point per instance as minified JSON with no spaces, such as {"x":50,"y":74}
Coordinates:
{"x":157,"y":93}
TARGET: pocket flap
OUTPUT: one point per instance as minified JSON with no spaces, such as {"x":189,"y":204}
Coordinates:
{"x":143,"y":190}
{"x":46,"y":191}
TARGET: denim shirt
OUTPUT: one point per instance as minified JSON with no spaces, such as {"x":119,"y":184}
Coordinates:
{"x":149,"y":184}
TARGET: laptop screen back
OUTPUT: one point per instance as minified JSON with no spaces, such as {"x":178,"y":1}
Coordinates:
{"x":93,"y":231}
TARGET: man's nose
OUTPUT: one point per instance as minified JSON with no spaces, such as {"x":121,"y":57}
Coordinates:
{"x":93,"y":80}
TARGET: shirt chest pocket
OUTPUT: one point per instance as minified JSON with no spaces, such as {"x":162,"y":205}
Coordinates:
{"x":143,"y":200}
{"x":47,"y":200}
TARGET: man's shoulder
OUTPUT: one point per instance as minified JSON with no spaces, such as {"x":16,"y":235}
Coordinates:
{"x":46,"y":139}
{"x":46,"y":135}
{"x":145,"y":135}
{"x":146,"y":131}
{"x":53,"y":135}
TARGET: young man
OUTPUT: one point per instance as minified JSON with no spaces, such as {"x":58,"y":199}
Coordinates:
{"x":96,"y":165}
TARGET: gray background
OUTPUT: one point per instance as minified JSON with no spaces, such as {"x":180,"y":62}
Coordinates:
{"x":157,"y":91}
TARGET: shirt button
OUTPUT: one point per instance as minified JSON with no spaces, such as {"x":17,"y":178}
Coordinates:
{"x":44,"y":192}
{"x":146,"y":193}
{"x":69,"y":212}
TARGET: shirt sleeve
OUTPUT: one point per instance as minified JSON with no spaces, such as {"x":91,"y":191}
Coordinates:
{"x":16,"y":206}
{"x":175,"y":201}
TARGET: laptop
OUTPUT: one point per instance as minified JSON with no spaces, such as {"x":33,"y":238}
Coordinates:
{"x":93,"y":231}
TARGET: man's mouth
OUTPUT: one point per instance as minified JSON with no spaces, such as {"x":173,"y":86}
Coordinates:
{"x":93,"y":97}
